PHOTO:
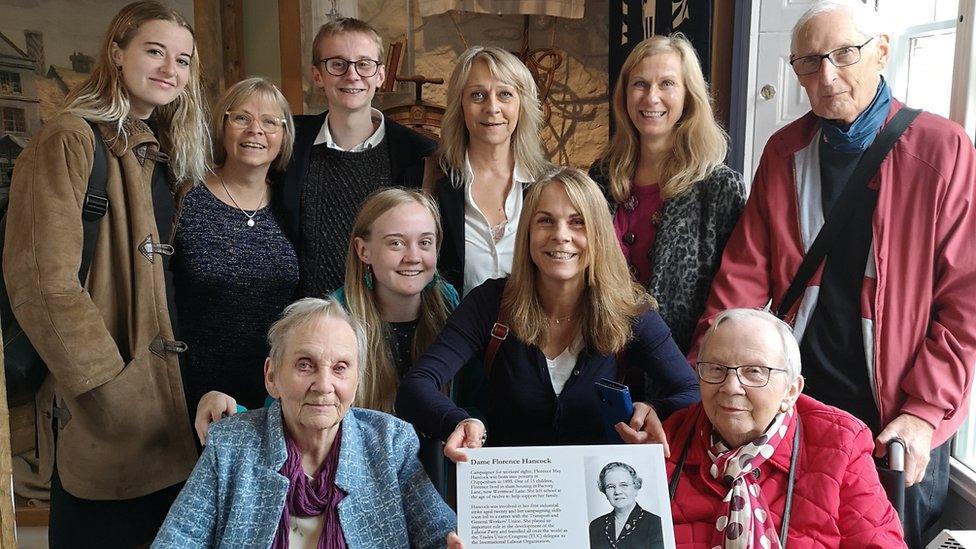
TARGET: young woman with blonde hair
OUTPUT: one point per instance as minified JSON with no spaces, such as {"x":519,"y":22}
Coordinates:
{"x":663,"y":172}
{"x":572,"y":310}
{"x":490,"y":152}
{"x":123,"y":443}
{"x":393,"y":287}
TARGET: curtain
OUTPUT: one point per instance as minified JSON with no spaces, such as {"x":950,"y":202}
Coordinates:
{"x":633,"y":20}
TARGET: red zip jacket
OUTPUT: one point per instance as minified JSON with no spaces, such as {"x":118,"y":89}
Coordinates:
{"x":837,"y":498}
{"x":919,"y":296}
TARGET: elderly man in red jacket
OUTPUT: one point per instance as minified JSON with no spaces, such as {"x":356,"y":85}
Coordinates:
{"x":885,"y":323}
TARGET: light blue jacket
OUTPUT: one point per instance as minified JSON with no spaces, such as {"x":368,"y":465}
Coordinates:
{"x":235,"y":495}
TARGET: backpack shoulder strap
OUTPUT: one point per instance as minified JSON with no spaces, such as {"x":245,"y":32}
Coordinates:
{"x":96,"y":201}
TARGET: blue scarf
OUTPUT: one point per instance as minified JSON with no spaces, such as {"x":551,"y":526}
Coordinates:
{"x":860,"y":135}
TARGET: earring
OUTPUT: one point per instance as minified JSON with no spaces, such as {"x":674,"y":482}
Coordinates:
{"x":368,"y":277}
{"x":434,"y":281}
{"x":784,"y":406}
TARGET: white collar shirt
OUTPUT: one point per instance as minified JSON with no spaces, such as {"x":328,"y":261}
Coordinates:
{"x":483,"y":257}
{"x":325,"y":135}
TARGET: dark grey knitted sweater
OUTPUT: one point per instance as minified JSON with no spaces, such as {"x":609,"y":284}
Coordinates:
{"x":337,"y":182}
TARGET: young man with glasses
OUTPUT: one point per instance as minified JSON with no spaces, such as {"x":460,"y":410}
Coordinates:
{"x":343,"y":154}
{"x":884,"y":324}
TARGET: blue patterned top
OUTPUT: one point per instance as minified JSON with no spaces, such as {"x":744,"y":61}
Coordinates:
{"x":235,"y":495}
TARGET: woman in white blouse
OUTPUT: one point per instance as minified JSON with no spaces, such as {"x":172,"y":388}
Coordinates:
{"x":490,"y":151}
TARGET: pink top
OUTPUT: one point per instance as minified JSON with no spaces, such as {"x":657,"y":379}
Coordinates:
{"x":636,"y":225}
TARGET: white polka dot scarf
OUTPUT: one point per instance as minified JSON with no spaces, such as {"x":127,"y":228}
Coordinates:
{"x":746,"y":523}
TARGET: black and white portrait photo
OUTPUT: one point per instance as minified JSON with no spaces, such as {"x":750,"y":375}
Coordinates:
{"x":624,"y":519}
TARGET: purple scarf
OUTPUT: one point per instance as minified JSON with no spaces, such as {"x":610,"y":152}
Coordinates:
{"x":308,"y":499}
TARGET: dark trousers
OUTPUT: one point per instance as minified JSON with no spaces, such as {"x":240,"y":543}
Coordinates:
{"x":80,"y":523}
{"x":924,"y":501}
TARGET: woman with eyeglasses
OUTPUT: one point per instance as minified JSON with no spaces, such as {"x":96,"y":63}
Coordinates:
{"x":234,"y":268}
{"x":758,"y":464}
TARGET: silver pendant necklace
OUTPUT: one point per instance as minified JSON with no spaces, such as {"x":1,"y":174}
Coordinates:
{"x":249,"y":216}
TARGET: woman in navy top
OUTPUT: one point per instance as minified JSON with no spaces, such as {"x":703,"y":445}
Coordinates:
{"x":572,"y":310}
{"x":234,"y":269}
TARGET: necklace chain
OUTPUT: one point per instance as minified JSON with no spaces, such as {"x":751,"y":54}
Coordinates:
{"x":249,"y":216}
{"x":560,"y":320}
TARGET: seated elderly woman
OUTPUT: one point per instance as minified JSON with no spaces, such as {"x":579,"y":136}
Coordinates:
{"x":309,"y":467}
{"x":628,"y":525}
{"x":758,"y":464}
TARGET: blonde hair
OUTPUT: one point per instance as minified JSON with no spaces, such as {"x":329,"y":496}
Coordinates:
{"x":525,"y":141}
{"x":232,"y":98}
{"x":380,"y":379}
{"x":700,"y":144}
{"x":180,"y":126}
{"x":346,"y":25}
{"x":611,"y":298}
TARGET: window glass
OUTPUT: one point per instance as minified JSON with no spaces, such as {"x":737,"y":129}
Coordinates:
{"x":930,"y":59}
{"x":10,"y":83}
{"x":13,"y":120}
{"x":964,"y":446}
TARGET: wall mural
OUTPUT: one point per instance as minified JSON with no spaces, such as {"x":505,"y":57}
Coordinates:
{"x":46,"y":48}
{"x":634,"y":20}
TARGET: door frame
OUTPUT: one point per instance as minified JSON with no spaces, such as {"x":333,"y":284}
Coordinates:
{"x":745,"y":40}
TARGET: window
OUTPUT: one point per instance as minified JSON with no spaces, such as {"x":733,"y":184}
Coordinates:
{"x":10,"y":83}
{"x":933,"y":65}
{"x":13,"y":120}
{"x":922,"y":52}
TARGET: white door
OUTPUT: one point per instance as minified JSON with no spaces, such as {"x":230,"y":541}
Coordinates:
{"x":777,"y":98}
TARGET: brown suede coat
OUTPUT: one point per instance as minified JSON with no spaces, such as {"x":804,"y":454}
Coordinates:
{"x":127,"y":433}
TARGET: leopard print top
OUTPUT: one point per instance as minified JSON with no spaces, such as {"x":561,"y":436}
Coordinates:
{"x":688,"y":247}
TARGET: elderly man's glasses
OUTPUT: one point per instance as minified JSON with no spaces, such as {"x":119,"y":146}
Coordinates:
{"x":841,"y":57}
{"x":749,"y":375}
{"x":243,"y":120}
{"x":337,"y":66}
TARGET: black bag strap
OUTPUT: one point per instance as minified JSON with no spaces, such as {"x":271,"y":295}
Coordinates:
{"x":676,"y":473}
{"x":855,"y":190}
{"x":96,"y":202}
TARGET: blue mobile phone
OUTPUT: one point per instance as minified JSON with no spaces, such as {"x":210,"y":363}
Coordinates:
{"x":615,"y":406}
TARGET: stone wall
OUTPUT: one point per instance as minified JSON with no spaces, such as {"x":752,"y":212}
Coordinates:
{"x":578,"y":125}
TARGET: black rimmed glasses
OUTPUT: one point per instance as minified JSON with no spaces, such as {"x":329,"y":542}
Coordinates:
{"x":337,"y":66}
{"x":749,"y":375}
{"x":243,"y":120}
{"x":841,"y":57}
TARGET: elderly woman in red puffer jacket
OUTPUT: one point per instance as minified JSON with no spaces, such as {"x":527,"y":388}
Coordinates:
{"x":732,"y":455}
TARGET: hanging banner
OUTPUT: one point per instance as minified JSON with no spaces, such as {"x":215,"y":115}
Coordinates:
{"x":634,"y":20}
